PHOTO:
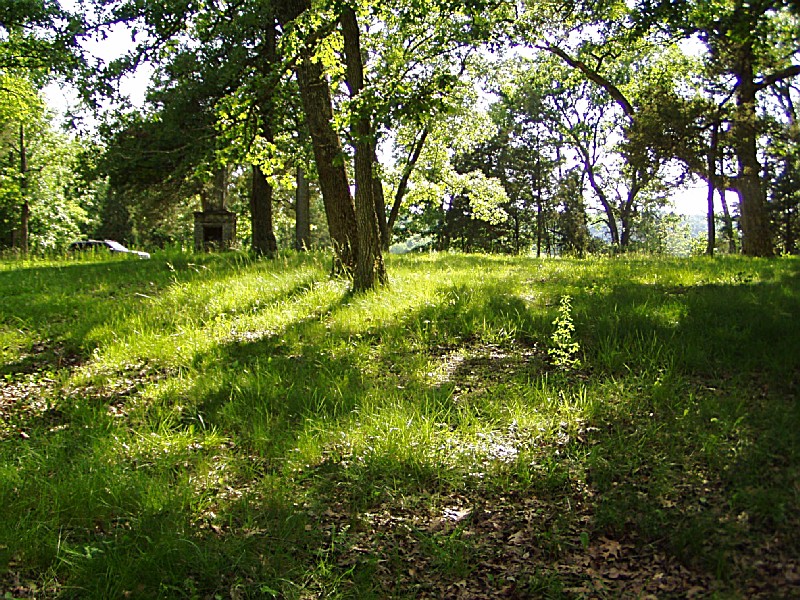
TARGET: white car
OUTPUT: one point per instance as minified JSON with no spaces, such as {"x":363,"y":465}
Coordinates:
{"x":109,"y":245}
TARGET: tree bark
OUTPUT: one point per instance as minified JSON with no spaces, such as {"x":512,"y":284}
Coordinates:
{"x":315,"y":96}
{"x":728,"y":221}
{"x":539,"y":226}
{"x":330,"y":159}
{"x":261,"y":192}
{"x":712,"y":185}
{"x":611,"y":218}
{"x":263,"y":235}
{"x":626,"y":211}
{"x":21,"y":243}
{"x":370,"y":267}
{"x":588,"y":168}
{"x":756,"y":239}
{"x":302,"y":211}
{"x":380,"y":202}
{"x":402,"y":186}
{"x":625,"y":218}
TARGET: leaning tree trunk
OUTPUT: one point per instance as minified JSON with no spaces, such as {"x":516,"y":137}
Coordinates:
{"x":756,"y":239}
{"x":315,"y":96}
{"x":380,"y":201}
{"x":611,"y":218}
{"x":402,"y":186}
{"x":370,"y":268}
{"x":329,"y":156}
{"x":263,"y":235}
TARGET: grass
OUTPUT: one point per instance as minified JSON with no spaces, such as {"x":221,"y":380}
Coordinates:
{"x":213,"y":426}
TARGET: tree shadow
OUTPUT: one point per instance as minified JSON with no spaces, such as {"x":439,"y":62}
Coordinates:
{"x":693,"y":450}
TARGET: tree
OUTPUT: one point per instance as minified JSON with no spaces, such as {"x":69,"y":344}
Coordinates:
{"x":315,"y":95}
{"x":445,"y":182}
{"x":21,"y":116}
{"x":218,"y":71}
{"x":782,"y":167}
{"x":521,"y":157}
{"x":751,"y":47}
{"x":574,"y":226}
{"x":639,"y":80}
{"x":38,"y":39}
{"x":369,"y":262}
{"x":45,"y":197}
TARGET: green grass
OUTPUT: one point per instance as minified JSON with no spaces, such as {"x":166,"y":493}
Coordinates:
{"x":214,"y":426}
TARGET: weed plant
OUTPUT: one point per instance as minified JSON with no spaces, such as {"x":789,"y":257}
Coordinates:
{"x":205,"y":426}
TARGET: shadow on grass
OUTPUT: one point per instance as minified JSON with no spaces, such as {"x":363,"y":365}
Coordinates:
{"x":696,"y":437}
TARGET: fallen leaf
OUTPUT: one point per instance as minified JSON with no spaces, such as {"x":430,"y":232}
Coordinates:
{"x":517,"y":538}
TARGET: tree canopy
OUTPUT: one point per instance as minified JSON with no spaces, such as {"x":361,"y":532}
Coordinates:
{"x":487,"y":125}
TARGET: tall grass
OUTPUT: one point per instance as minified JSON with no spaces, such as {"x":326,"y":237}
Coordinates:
{"x":201,"y":426}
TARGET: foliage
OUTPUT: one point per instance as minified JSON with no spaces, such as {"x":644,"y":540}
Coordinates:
{"x":563,"y":347}
{"x":39,"y":38}
{"x":478,"y":97}
{"x":665,"y":235}
{"x":748,"y":50}
{"x":58,"y":184}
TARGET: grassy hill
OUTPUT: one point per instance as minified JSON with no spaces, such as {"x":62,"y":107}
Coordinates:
{"x":216,"y":427}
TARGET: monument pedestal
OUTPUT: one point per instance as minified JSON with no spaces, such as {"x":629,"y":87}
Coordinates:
{"x":214,"y":230}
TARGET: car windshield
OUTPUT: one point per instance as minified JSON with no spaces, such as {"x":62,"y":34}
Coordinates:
{"x":116,"y":246}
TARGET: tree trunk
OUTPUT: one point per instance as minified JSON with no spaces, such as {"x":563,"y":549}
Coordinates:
{"x":21,"y":239}
{"x":329,"y":156}
{"x":21,"y":243}
{"x":539,"y":226}
{"x":712,"y":184}
{"x":402,"y":186}
{"x":302,"y":209}
{"x":601,"y":195}
{"x":611,"y":218}
{"x":315,"y":96}
{"x":370,"y":268}
{"x":728,"y":221}
{"x":261,"y":192}
{"x":625,"y":218}
{"x":627,"y":211}
{"x":756,"y":239}
{"x":263,"y":236}
{"x":624,"y":234}
{"x":380,"y":202}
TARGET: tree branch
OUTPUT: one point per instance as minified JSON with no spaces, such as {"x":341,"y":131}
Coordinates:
{"x":774,"y":78}
{"x":416,"y":150}
{"x":594,"y":76}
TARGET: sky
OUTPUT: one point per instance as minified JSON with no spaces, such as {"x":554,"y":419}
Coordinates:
{"x":62,"y":98}
{"x":693,"y":200}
